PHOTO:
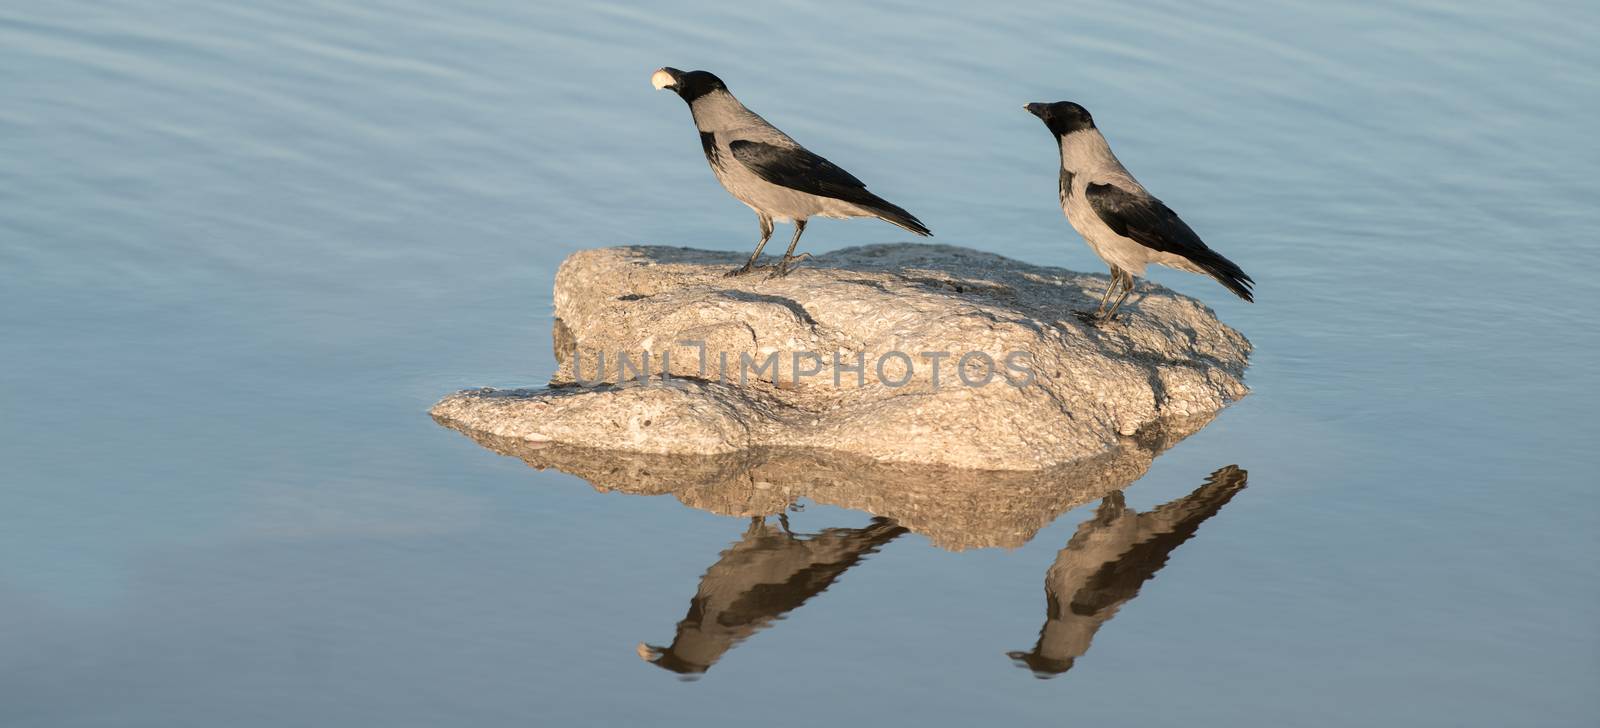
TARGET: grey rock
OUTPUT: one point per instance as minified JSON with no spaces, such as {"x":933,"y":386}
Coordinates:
{"x":1084,"y":390}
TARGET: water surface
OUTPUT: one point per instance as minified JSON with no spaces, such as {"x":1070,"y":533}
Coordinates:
{"x":243,"y":247}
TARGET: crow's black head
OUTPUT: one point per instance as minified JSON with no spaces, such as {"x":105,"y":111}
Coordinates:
{"x":690,"y":85}
{"x":1042,"y":667}
{"x":1063,"y":117}
{"x":666,"y":659}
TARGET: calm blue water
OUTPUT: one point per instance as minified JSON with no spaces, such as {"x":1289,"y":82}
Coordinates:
{"x":244,"y":246}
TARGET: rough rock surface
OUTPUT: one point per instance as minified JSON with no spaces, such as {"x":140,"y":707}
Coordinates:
{"x":1083,"y":388}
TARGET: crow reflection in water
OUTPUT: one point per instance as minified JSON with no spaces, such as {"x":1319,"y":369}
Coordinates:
{"x":1110,"y":557}
{"x":762,"y":577}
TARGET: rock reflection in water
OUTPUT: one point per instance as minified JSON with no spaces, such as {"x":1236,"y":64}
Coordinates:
{"x":761,"y":577}
{"x":955,"y":509}
{"x":771,"y":571}
{"x":1106,"y":562}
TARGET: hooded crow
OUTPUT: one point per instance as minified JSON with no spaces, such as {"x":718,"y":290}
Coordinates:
{"x":1124,"y":225}
{"x":765,"y":169}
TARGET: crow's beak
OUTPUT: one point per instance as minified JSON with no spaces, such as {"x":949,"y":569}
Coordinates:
{"x":1034,"y":108}
{"x":665,"y":78}
{"x":648,"y":653}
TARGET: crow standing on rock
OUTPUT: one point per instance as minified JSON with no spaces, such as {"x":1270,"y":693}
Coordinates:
{"x":765,"y":169}
{"x":1125,"y":225}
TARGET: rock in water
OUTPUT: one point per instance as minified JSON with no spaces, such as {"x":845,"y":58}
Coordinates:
{"x":926,"y":354}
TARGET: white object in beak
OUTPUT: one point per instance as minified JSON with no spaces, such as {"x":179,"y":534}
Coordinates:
{"x":660,"y":79}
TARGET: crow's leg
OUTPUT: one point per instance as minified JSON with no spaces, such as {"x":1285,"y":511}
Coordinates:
{"x":1127,"y":288}
{"x":789,"y":258}
{"x":766,"y":234}
{"x":1111,"y":289}
{"x":1116,"y":280}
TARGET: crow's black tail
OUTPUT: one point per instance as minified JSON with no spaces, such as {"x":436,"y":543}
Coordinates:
{"x":1226,"y":273}
{"x":895,"y":215}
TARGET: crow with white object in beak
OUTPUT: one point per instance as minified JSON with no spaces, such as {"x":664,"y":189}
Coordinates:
{"x":766,"y":170}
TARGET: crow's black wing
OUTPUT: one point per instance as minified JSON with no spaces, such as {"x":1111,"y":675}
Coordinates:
{"x":799,"y":169}
{"x":1149,"y":222}
{"x":1145,"y":219}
